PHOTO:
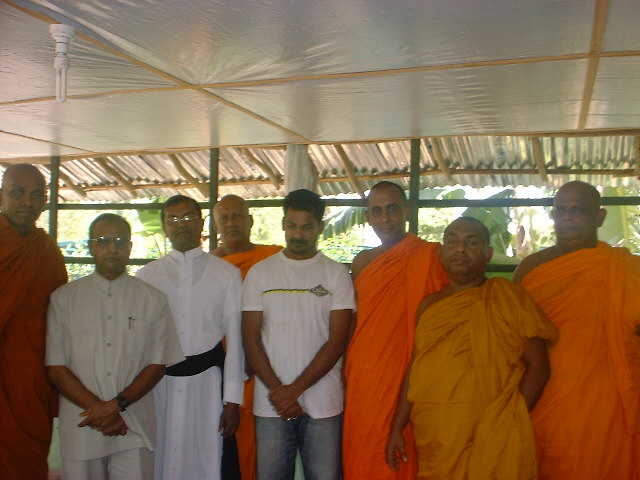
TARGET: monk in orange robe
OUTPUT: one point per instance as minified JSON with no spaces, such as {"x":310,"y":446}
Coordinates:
{"x":587,"y":422}
{"x":480,"y":363}
{"x":390,"y":282}
{"x":31,"y":267}
{"x":233,"y":222}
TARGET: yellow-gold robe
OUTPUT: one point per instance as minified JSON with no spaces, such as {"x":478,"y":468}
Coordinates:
{"x":469,"y":418}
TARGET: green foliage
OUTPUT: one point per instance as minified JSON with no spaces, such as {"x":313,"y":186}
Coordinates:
{"x":344,"y":246}
{"x":267,"y":226}
{"x":620,"y":227}
{"x":341,"y":220}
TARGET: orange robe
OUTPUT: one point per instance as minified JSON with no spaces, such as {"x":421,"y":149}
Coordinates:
{"x":389,"y":291}
{"x":31,"y":267}
{"x":469,"y":418}
{"x":587,"y":422}
{"x":246,"y":433}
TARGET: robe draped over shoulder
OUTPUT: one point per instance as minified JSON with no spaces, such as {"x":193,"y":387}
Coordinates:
{"x":587,"y":422}
{"x":389,"y":291}
{"x":469,"y":417}
{"x":31,"y":267}
{"x":245,"y":260}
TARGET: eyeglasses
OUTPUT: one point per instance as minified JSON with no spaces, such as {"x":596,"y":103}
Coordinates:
{"x":185,"y":219}
{"x":104,"y":242}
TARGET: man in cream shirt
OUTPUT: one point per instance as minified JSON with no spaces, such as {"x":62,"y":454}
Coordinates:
{"x":109,"y":337}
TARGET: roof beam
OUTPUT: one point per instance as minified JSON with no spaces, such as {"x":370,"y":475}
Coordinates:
{"x":538,"y":156}
{"x":439,"y":158}
{"x":609,"y":172}
{"x":193,"y":181}
{"x":597,"y":37}
{"x":77,"y":189}
{"x":349,"y":170}
{"x":125,"y":182}
{"x":268,"y":171}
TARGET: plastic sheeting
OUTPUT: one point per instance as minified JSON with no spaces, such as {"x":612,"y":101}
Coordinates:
{"x":156,"y":76}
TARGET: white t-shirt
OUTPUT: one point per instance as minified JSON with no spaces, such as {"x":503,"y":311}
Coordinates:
{"x":296,"y":298}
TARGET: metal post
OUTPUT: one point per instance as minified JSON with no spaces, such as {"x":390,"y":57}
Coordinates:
{"x":414,"y":185}
{"x":214,"y":158}
{"x":53,"y":197}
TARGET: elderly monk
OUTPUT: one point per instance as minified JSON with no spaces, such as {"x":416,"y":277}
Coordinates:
{"x":480,"y":363}
{"x":233,"y":222}
{"x":587,"y":423}
{"x":31,"y":267}
{"x":390,"y":282}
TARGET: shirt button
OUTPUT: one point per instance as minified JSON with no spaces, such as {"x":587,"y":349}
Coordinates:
{"x":108,"y":374}
{"x":108,"y":294}
{"x":109,"y":317}
{"x":108,"y":344}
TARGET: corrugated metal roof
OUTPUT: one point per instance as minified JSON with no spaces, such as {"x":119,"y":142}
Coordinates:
{"x":254,"y":172}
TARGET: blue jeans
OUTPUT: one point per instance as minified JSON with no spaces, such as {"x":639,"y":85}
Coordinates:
{"x":319,"y":441}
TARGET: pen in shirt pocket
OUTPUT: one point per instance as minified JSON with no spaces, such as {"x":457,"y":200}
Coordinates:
{"x":131,"y":325}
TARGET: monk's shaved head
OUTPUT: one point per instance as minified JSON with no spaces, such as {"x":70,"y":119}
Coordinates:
{"x":577,"y":214}
{"x":385,"y":184}
{"x":231,"y":201}
{"x":25,"y":169}
{"x":485,"y":235}
{"x":233,"y":223}
{"x":22,"y":196}
{"x":588,"y":193}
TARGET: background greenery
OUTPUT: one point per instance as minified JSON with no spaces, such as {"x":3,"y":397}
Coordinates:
{"x":515,"y":231}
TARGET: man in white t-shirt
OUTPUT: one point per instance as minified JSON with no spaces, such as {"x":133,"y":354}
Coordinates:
{"x":296,"y":317}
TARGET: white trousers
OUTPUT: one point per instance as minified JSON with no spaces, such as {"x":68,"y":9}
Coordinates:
{"x":133,"y":464}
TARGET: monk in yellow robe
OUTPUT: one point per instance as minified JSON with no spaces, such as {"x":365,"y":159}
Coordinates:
{"x":233,"y":223}
{"x":390,"y":281}
{"x":31,"y":267}
{"x":480,"y":362}
{"x":587,"y":423}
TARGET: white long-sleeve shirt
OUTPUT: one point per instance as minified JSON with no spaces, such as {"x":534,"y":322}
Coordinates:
{"x":204,"y":293}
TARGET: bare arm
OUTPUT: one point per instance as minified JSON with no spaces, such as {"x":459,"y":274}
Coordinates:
{"x":537,"y":370}
{"x":110,"y":423}
{"x":254,"y":350}
{"x":141,"y":385}
{"x":70,"y":386}
{"x":395,"y":448}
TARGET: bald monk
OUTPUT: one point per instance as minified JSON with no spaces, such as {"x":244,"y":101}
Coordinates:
{"x":587,"y":422}
{"x":31,"y":267}
{"x":233,"y":222}
{"x":390,"y":282}
{"x":479,"y":365}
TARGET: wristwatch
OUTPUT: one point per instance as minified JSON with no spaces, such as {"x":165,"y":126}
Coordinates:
{"x":123,"y":403}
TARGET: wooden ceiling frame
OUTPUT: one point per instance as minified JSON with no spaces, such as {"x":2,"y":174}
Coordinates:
{"x":192,"y":181}
{"x":538,"y":157}
{"x":251,"y":158}
{"x":436,"y":149}
{"x":349,"y":170}
{"x":124,"y":182}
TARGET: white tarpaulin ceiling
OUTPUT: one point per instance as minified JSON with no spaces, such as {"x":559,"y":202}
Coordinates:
{"x":493,"y":85}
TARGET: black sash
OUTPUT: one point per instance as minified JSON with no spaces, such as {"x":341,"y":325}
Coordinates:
{"x":195,"y":364}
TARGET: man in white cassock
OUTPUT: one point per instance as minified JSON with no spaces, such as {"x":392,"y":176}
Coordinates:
{"x":197,"y":402}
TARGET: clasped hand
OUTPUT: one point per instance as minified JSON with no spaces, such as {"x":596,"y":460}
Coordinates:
{"x":284,"y":399}
{"x":104,"y":417}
